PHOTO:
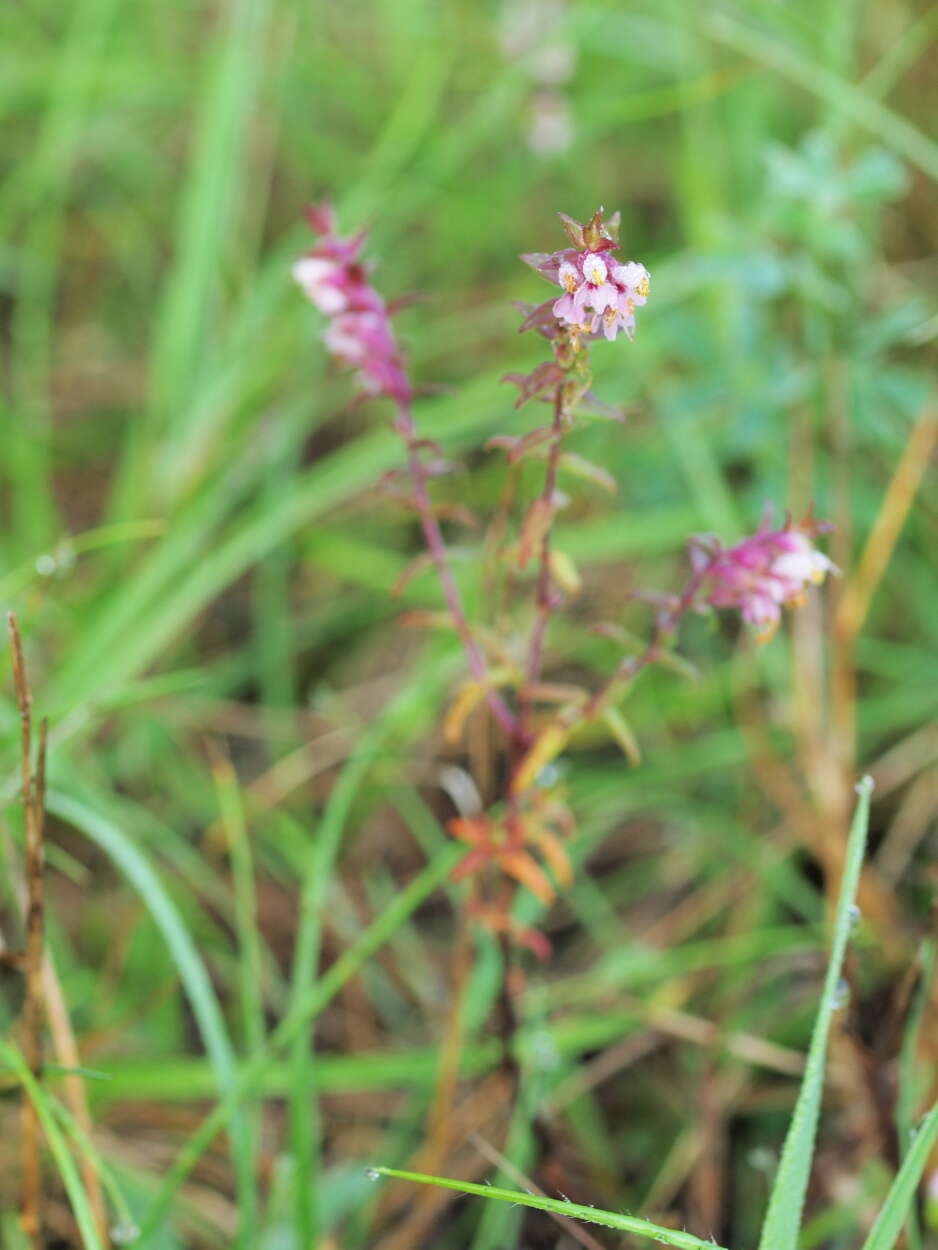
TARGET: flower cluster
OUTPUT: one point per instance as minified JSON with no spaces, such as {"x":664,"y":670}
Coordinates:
{"x":761,"y":574}
{"x":359,"y":332}
{"x":600,"y":293}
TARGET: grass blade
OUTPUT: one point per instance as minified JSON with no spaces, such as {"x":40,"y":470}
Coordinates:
{"x":572,"y":1210}
{"x":885,"y":1231}
{"x":786,"y":1201}
{"x":58,"y":1146}
{"x":909,"y":1098}
{"x":862,"y":108}
{"x":298,"y":1017}
{"x":192,"y":971}
{"x":395,"y":723}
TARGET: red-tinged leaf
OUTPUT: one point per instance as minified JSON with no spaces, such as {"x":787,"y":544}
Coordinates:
{"x":413,"y":569}
{"x":539,"y":317}
{"x":456,"y":512}
{"x":535,"y":440}
{"x":611,"y":227}
{"x":474,"y":862}
{"x":545,"y":322}
{"x":476,"y":830}
{"x":321,"y":218}
{"x":538,"y":260}
{"x":579,"y":466}
{"x":428,"y":444}
{"x":535,"y":942}
{"x":574,"y":231}
{"x":593,"y":231}
{"x":535,"y":525}
{"x":421,"y":618}
{"x":525,"y":869}
{"x":545,"y":376}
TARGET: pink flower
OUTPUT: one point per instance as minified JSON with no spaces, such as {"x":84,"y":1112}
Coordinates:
{"x":333,"y":278}
{"x":599,"y":294}
{"x":761,"y":574}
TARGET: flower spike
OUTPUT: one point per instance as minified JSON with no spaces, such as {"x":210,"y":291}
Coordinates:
{"x":599,"y":293}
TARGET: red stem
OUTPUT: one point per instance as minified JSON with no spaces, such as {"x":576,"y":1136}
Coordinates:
{"x":437,"y":548}
{"x":629,"y":667}
{"x":545,"y":601}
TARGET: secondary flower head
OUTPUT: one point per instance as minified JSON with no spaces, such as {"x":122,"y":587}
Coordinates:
{"x":761,"y":574}
{"x":335,"y":279}
{"x":600,"y":294}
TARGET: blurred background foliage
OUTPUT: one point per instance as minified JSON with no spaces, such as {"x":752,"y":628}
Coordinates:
{"x":202,"y":563}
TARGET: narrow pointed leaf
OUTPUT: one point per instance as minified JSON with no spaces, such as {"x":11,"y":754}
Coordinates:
{"x":557,"y":1206}
{"x":786,"y":1201}
{"x":885,"y":1232}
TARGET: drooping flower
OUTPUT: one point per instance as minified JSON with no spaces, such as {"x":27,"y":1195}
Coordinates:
{"x":600,"y":295}
{"x":762,"y":574}
{"x":335,"y":279}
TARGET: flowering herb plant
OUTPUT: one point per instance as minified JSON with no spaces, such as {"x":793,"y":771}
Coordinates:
{"x":517,"y":840}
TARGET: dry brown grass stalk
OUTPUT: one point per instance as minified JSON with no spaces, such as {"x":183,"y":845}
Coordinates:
{"x":43,"y":995}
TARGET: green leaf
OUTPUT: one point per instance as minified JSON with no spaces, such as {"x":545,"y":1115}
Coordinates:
{"x":179,"y":941}
{"x":786,"y":1201}
{"x":888,"y":1225}
{"x":569,"y":1210}
{"x":58,"y":1146}
{"x":297,"y":1019}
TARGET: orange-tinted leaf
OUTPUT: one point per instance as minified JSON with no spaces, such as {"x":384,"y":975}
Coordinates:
{"x":525,"y":869}
{"x":467,"y":699}
{"x":553,"y":851}
{"x":473,"y":862}
{"x":423,"y":619}
{"x":476,"y":830}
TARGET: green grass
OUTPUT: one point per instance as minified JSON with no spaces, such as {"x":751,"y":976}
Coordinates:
{"x":249,"y":898}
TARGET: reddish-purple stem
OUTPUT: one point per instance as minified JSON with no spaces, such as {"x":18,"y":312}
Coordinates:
{"x":436,"y":546}
{"x":544,"y":599}
{"x":631,"y":666}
